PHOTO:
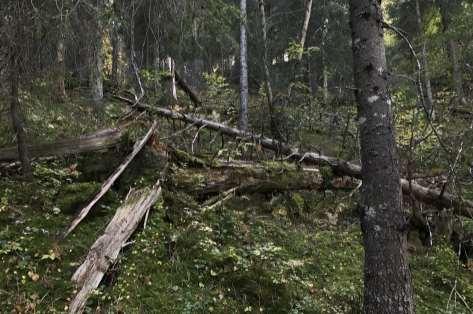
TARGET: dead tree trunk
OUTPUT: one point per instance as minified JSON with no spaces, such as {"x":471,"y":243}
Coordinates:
{"x":111,"y":180}
{"x":105,"y":250}
{"x":97,"y":141}
{"x":387,"y":278}
{"x":341,"y":167}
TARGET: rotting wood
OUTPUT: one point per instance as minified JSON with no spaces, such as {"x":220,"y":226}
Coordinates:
{"x":109,"y":182}
{"x":187,"y":89}
{"x":100,"y":140}
{"x":104,"y":252}
{"x":434,"y":197}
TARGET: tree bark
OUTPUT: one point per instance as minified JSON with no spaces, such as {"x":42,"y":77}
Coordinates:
{"x":100,"y":140}
{"x":60,"y":75}
{"x":305,"y":27}
{"x":16,"y":115}
{"x":325,"y":93}
{"x":387,"y":278}
{"x":95,"y":67}
{"x":116,"y":51}
{"x":428,"y":98}
{"x":452,"y":47}
{"x":267,"y":74}
{"x":244,"y":93}
{"x":111,"y":180}
{"x":104,"y":252}
{"x":456,"y":70}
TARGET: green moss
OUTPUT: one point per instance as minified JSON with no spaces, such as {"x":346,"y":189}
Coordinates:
{"x":73,"y":196}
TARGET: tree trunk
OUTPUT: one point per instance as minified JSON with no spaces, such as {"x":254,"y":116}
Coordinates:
{"x":104,"y":252}
{"x":244,"y":93}
{"x":453,"y":53}
{"x":387,"y":277}
{"x":60,"y":75}
{"x":305,"y":27}
{"x":16,"y":116}
{"x":267,"y":74}
{"x":116,"y":49}
{"x":101,"y":140}
{"x":323,"y":54}
{"x":427,"y":92}
{"x":95,"y":67}
{"x":456,"y":70}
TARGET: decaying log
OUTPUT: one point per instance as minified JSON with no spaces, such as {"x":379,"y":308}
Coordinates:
{"x":187,"y":89}
{"x":248,"y":178}
{"x":100,"y":140}
{"x":105,"y":250}
{"x":434,"y":197}
{"x":108,"y":184}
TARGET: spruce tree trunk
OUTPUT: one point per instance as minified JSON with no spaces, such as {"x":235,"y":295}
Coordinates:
{"x":428,"y":98}
{"x":16,"y":116}
{"x":267,"y":74}
{"x":456,"y":70}
{"x":60,"y":75}
{"x":243,"y":120}
{"x":452,"y":48}
{"x":116,"y":48}
{"x":387,"y":277}
{"x":95,"y":68}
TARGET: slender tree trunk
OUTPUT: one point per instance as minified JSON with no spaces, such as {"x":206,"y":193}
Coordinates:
{"x":387,"y":276}
{"x":324,"y":62}
{"x":267,"y":74}
{"x":16,"y":116}
{"x":453,"y":53}
{"x":60,"y":75}
{"x":456,"y":70}
{"x":116,"y":49}
{"x":428,"y":98}
{"x":172,"y":89}
{"x":305,"y":27}
{"x":95,"y":68}
{"x":244,"y":93}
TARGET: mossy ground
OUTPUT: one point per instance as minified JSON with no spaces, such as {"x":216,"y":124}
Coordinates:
{"x":256,"y":253}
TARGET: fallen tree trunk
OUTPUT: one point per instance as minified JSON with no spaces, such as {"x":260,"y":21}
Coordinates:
{"x":434,"y":197}
{"x":187,"y":89}
{"x":100,"y":140}
{"x":108,"y":184}
{"x":104,"y":252}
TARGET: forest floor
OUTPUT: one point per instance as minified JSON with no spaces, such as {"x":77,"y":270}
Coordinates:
{"x":281,"y":252}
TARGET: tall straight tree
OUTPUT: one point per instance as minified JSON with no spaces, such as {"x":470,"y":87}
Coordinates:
{"x":427,"y":92}
{"x":17,"y":63}
{"x":243,"y":121}
{"x":387,"y":277}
